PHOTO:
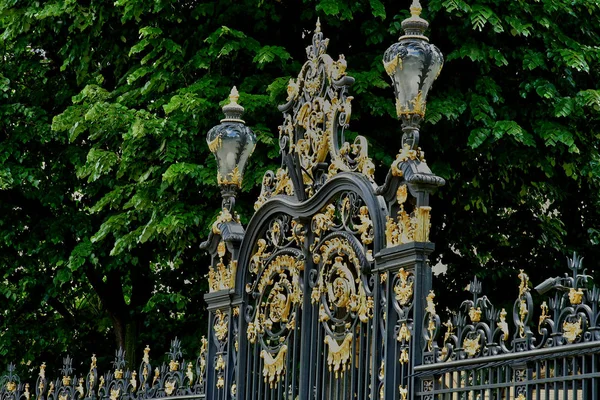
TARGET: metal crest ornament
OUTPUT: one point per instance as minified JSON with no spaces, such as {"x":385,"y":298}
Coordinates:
{"x":311,"y":139}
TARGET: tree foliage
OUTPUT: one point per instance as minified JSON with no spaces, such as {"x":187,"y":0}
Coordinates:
{"x":107,"y":186}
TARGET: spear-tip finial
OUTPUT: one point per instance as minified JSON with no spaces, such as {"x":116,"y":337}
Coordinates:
{"x":318,"y":27}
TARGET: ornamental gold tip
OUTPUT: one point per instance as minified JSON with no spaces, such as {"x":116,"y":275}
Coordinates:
{"x":318,"y":27}
{"x":415,"y":8}
{"x":234,"y":96}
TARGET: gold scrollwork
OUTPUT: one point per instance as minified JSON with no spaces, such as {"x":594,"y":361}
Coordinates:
{"x":298,"y":235}
{"x":274,"y":367}
{"x":321,"y":222}
{"x":338,"y":355}
{"x":403,"y":287}
{"x":365,"y":228}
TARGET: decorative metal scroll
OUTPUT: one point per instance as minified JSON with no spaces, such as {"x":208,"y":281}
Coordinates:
{"x":479,"y":330}
{"x":175,"y":378}
{"x":311,"y":138}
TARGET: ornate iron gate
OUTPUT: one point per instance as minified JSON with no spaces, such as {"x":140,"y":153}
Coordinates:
{"x":318,"y":298}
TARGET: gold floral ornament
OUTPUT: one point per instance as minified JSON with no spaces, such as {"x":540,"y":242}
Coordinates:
{"x":403,"y":287}
{"x":220,"y":326}
{"x":169,"y":387}
{"x":406,"y":154}
{"x":203,"y":353}
{"x":274,"y":367}
{"x":472,"y":345}
{"x":572,"y":330}
{"x":406,"y":228}
{"x":404,"y":359}
{"x":11,"y":386}
{"x":365,"y":228}
{"x":115,"y":393}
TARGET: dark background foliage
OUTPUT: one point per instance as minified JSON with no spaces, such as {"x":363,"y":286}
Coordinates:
{"x":107,"y":186}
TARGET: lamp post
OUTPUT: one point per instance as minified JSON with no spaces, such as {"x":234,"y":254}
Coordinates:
{"x":232,"y":143}
{"x":413,"y":64}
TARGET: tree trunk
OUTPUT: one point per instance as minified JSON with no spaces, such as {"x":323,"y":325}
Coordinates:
{"x":131,"y":334}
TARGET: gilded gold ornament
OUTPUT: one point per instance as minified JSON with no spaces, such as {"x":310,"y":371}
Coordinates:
{"x":544,"y":316}
{"x":338,"y":354}
{"x":503,"y":325}
{"x":572,"y":330}
{"x":403,"y":288}
{"x":274,"y":367}
{"x":575,"y":296}
{"x":475,"y":314}
{"x":472,"y":345}
{"x":220,"y":325}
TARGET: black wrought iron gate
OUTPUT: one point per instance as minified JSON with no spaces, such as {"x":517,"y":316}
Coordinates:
{"x":332,"y":270}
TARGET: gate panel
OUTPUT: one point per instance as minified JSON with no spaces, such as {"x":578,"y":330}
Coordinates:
{"x":273,"y":312}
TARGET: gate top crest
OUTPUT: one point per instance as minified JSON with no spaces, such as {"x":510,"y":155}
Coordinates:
{"x":311,"y":138}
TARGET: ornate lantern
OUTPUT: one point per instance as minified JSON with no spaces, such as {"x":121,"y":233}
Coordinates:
{"x":232,"y":143}
{"x":413,"y":64}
